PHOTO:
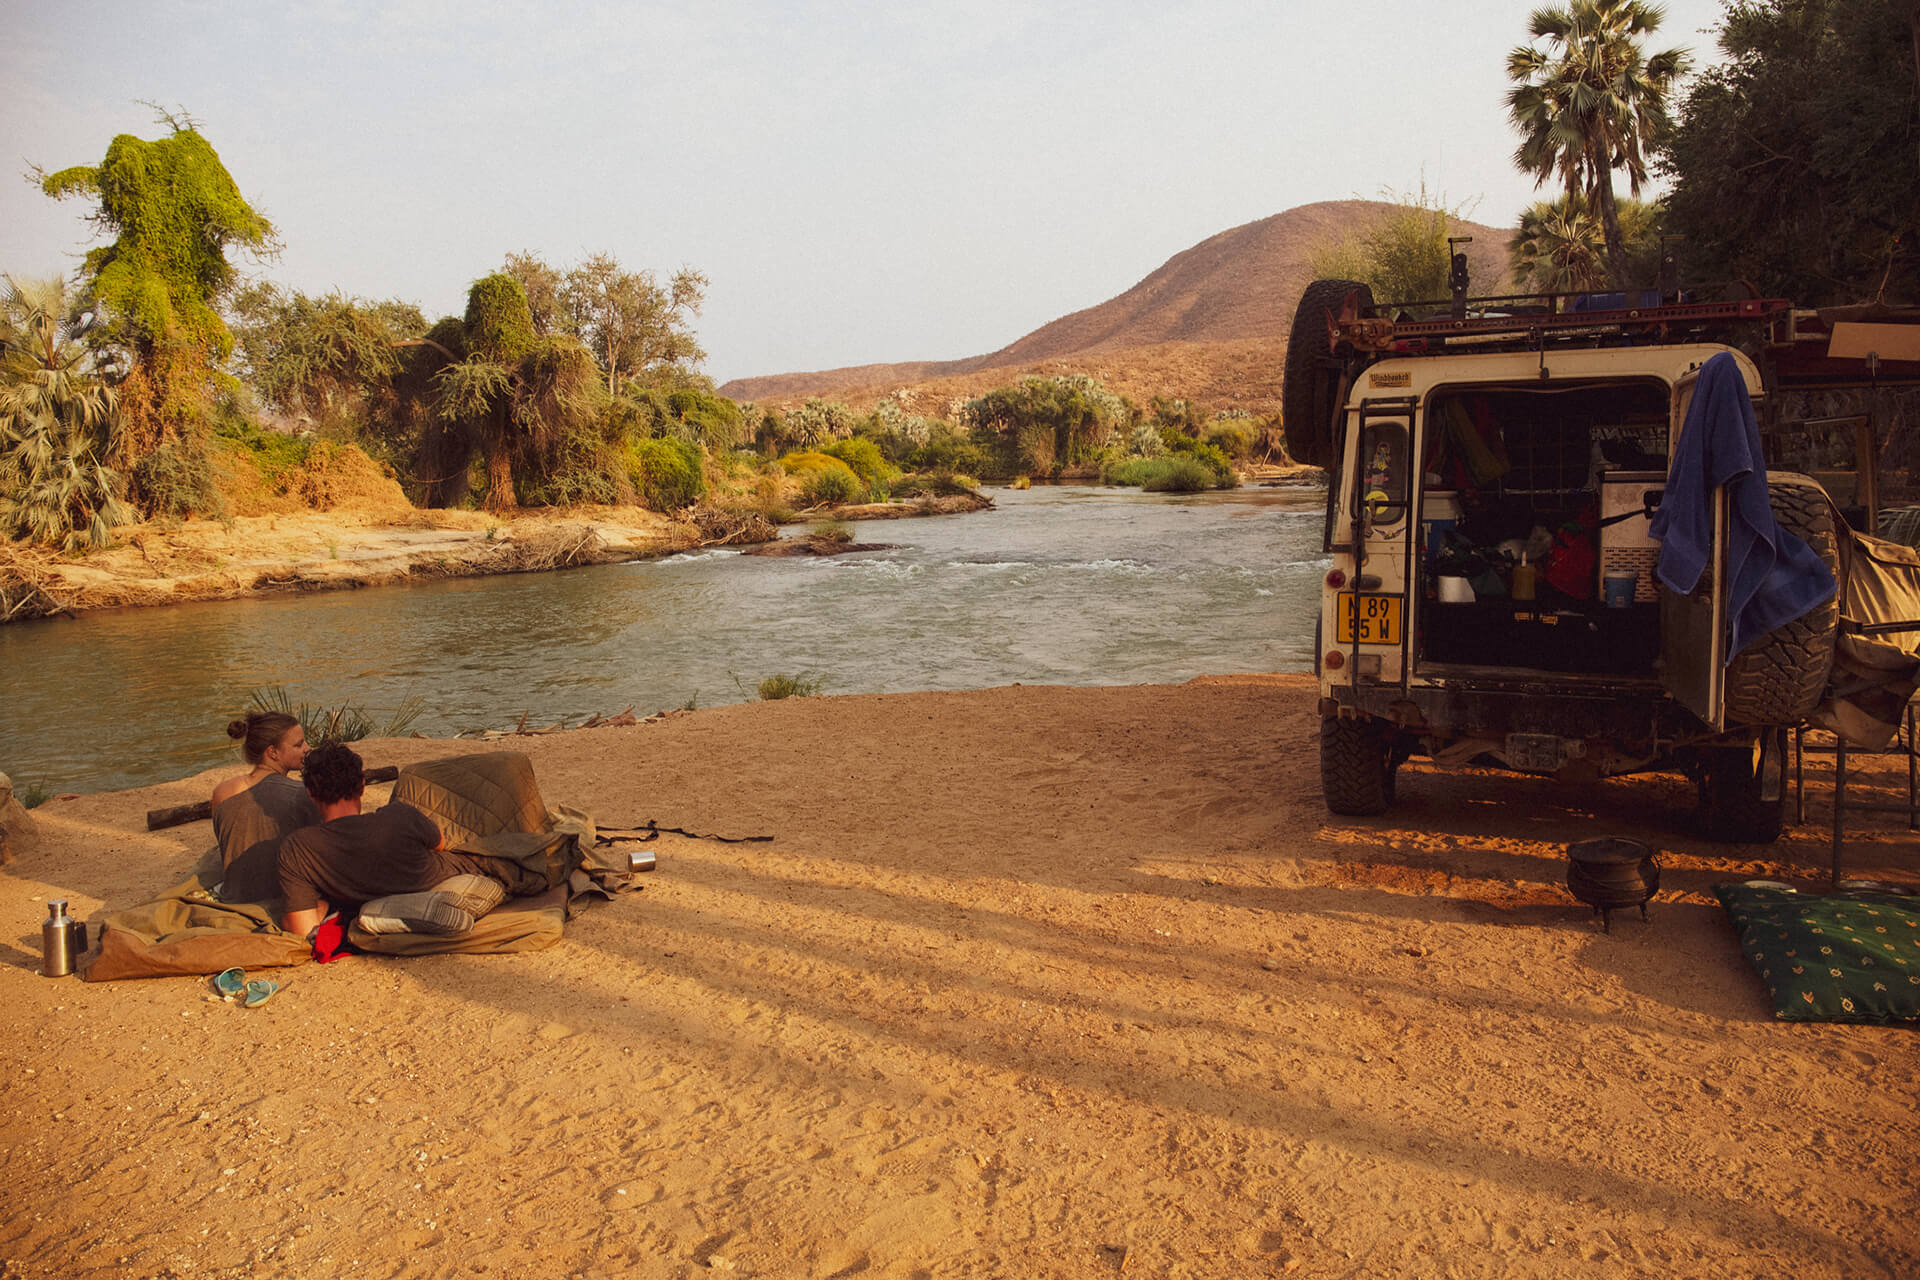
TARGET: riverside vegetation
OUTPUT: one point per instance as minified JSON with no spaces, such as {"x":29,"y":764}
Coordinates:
{"x":159,"y":387}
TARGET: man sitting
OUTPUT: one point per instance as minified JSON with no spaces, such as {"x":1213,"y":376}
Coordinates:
{"x":354,"y":857}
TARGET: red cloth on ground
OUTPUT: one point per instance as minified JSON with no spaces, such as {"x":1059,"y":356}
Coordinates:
{"x":330,"y":939}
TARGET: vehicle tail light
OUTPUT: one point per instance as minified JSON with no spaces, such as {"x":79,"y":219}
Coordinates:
{"x":1334,"y":660}
{"x":1336,"y":578}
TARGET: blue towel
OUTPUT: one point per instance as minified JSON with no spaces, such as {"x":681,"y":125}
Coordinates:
{"x":1773,"y":576}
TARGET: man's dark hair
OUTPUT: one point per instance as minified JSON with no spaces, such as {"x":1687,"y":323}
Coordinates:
{"x":333,"y":773}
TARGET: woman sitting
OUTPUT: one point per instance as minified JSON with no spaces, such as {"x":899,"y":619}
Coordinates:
{"x":252,"y":812}
{"x":274,"y":743}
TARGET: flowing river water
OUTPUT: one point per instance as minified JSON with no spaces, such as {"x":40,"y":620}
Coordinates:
{"x":1058,"y":585}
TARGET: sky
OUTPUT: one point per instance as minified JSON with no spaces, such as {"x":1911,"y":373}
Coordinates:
{"x":861,"y":183}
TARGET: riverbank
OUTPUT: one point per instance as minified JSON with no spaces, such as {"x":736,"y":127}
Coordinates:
{"x":197,"y":560}
{"x":1031,"y":981}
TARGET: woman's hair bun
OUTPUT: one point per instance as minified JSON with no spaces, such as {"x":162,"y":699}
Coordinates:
{"x":236,"y":728}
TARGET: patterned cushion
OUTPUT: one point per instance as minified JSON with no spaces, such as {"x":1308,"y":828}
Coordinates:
{"x":450,"y":907}
{"x":1851,"y":957}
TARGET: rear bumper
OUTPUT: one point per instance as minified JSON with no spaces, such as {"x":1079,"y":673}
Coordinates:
{"x":1634,"y":718}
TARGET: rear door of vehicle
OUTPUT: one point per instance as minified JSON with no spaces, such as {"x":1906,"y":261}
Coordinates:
{"x":1693,"y":633}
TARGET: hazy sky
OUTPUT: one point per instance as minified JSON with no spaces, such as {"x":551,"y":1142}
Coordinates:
{"x":861,"y":182}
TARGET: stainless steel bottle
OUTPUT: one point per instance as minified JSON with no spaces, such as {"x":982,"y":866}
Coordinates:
{"x":56,"y":942}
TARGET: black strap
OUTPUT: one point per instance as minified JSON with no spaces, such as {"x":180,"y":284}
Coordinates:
{"x":653,"y":830}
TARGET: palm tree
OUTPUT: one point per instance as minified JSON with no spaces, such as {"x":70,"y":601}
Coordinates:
{"x":58,"y":420}
{"x":1592,"y":101}
{"x":1560,"y":247}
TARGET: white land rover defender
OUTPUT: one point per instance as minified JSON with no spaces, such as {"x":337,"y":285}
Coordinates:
{"x":1492,"y":597}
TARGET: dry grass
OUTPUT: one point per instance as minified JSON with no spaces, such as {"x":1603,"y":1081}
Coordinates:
{"x":558,"y":546}
{"x":27,"y":587}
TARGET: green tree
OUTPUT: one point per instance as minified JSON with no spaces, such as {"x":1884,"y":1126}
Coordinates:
{"x":635,"y":326}
{"x":630,"y":321}
{"x":327,"y":359}
{"x":508,"y":391}
{"x":175,"y":213}
{"x":58,"y":419}
{"x":1795,"y":163}
{"x":1591,"y":101}
{"x":1039,"y":425}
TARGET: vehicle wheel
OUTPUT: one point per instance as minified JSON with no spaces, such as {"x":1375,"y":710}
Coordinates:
{"x":1312,"y":377}
{"x":1356,"y":765}
{"x":1731,"y":810}
{"x":1779,"y":678}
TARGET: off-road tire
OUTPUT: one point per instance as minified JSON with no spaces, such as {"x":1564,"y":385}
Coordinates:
{"x":1779,"y":678}
{"x":1731,"y":810}
{"x":1312,"y":377}
{"x":1356,"y":765}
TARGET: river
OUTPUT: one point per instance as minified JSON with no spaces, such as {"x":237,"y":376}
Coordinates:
{"x":1058,"y":585}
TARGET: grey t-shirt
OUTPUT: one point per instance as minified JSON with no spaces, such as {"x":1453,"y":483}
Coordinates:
{"x":364,"y":856}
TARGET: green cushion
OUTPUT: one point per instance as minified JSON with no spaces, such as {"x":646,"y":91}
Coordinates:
{"x":1831,"y":958}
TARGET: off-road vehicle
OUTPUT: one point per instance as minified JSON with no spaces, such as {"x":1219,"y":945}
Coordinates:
{"x":1492,"y":464}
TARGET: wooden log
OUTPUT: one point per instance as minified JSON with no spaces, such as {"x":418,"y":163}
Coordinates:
{"x":179,"y":814}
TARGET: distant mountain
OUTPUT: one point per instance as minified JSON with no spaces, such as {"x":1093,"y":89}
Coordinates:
{"x":1237,"y":287}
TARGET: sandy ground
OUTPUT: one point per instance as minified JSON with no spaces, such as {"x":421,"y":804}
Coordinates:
{"x":1031,"y":982}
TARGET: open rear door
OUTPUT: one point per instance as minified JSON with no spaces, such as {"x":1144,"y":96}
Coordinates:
{"x":1693,"y":633}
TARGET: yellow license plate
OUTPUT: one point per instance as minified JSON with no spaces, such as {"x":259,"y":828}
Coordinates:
{"x":1369,"y":619}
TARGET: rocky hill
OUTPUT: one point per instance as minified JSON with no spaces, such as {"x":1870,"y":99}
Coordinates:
{"x":1214,"y":315}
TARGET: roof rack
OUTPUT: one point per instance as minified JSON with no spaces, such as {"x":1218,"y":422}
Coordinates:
{"x":1533,"y":318}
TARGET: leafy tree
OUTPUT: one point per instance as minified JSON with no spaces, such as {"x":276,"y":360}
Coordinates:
{"x":58,"y":419}
{"x":543,"y":286}
{"x":631,"y":322}
{"x":509,"y":391}
{"x":634,"y":325}
{"x":321,"y":358}
{"x":1040,"y":424}
{"x":1795,"y":164}
{"x":175,"y":213}
{"x":1592,"y":101}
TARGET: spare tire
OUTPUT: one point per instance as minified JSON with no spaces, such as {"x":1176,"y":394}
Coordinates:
{"x":1310,"y":386}
{"x":1780,"y":678}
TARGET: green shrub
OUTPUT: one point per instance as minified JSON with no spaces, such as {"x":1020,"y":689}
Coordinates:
{"x":1234,"y":437}
{"x":1179,"y":474}
{"x":828,"y":488}
{"x":1130,"y":471}
{"x":274,"y":453}
{"x":666,"y":472}
{"x":1206,"y":455}
{"x":176,"y":481}
{"x":31,"y":795}
{"x":774,"y":688}
{"x":823,"y":478}
{"x":864,"y":459}
{"x":835,"y":531}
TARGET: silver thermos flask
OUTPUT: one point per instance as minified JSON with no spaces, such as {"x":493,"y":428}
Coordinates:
{"x":56,"y":942}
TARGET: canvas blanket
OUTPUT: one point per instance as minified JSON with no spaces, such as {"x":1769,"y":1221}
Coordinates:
{"x":1874,"y":676}
{"x":488,"y":805}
